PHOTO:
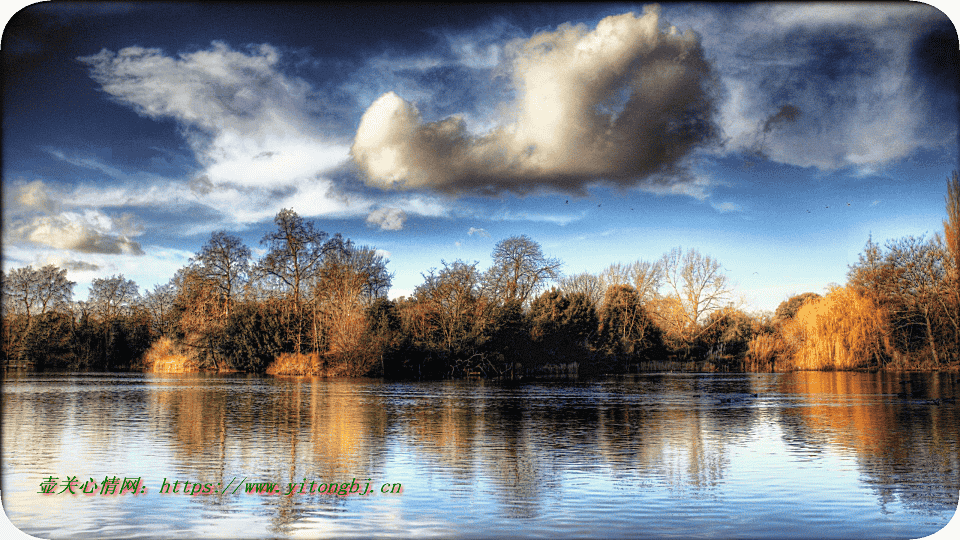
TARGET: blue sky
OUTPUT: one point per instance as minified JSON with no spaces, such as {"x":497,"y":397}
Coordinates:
{"x":775,"y":137}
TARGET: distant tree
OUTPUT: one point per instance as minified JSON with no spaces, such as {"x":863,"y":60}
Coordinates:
{"x":519,"y":269}
{"x":30,"y":291}
{"x":625,"y":328}
{"x":295,"y":255}
{"x":451,"y":303}
{"x":225,"y":260}
{"x":646,"y":277}
{"x":789,"y":307}
{"x":698,"y":284}
{"x":562,"y":327}
{"x":727,"y":335}
{"x":111,"y":297}
{"x":586,"y":283}
{"x":908,"y":280}
{"x":919,"y":280}
{"x":159,"y":304}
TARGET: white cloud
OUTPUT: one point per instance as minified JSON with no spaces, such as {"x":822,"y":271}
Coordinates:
{"x":254,"y":130}
{"x":88,"y":232}
{"x":388,"y":219}
{"x":479,"y":232}
{"x":847,"y":72}
{"x":618,"y":103}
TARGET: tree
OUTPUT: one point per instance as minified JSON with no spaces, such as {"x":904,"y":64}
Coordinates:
{"x":789,"y":307}
{"x":909,"y":281}
{"x":562,"y":326}
{"x":225,"y":260}
{"x":843,"y":330}
{"x":625,"y":329}
{"x":452,"y":303}
{"x":519,"y":269}
{"x":697,"y":283}
{"x":919,"y":279}
{"x":295,"y":252}
{"x":951,"y":237}
{"x":30,"y":291}
{"x":646,"y":277}
{"x":586,"y":283}
{"x":111,"y":297}
{"x":295,"y":258}
{"x":159,"y":304}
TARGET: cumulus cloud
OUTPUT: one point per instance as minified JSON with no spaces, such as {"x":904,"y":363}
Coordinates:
{"x":87,"y":232}
{"x":479,"y":232}
{"x":34,"y":196}
{"x":388,"y":219}
{"x":616,"y":103}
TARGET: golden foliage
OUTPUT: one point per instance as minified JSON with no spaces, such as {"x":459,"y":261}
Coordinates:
{"x":295,"y":364}
{"x":165,"y":356}
{"x":769,"y":352}
{"x":842,"y":330}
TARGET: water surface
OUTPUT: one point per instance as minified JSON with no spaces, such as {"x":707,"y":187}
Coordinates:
{"x":799,"y":455}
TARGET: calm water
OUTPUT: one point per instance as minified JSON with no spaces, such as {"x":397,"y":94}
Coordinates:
{"x":827,"y":455}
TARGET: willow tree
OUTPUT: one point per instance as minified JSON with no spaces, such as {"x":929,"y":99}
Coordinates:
{"x":843,"y":330}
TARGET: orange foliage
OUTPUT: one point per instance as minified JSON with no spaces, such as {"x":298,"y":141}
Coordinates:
{"x":842,"y":330}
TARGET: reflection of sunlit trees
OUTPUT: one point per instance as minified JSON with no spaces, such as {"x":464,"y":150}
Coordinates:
{"x":890,"y":441}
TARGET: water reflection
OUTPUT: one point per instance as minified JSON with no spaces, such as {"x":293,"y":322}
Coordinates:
{"x":675,"y":454}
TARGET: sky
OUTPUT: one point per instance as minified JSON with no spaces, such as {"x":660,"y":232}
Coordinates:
{"x":776,"y":138}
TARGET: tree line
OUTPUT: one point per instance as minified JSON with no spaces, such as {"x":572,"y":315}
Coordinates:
{"x":317,"y":304}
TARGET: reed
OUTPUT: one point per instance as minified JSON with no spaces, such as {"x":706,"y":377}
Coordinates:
{"x":295,"y":364}
{"x":165,"y":356}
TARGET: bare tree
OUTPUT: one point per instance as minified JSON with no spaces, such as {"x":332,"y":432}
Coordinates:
{"x":350,"y":280}
{"x":112,"y":296}
{"x":225,"y":260}
{"x":519,"y":269}
{"x":29,"y":291}
{"x":451,"y":302}
{"x":295,"y":258}
{"x":159,"y":304}
{"x":951,"y":237}
{"x":919,"y":279}
{"x":697,"y":283}
{"x":585,"y":283}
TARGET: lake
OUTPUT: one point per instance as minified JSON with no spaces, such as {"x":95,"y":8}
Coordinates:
{"x":791,"y":455}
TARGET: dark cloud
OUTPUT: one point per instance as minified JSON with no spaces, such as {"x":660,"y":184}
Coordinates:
{"x":787,"y":113}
